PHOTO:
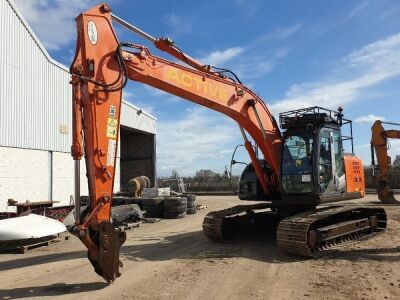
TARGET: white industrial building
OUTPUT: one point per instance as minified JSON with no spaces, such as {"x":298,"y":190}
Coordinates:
{"x":36,"y":118}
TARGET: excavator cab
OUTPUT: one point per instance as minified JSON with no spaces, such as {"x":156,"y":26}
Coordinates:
{"x":313,"y":159}
{"x":314,"y":167}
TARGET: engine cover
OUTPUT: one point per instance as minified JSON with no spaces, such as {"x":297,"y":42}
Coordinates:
{"x":249,"y":185}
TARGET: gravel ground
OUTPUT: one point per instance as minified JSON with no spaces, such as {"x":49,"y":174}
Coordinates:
{"x":172,"y":259}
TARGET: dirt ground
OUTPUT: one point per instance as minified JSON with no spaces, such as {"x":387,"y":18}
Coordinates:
{"x":173,"y":260}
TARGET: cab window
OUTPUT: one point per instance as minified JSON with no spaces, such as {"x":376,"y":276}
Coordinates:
{"x":325,"y":161}
{"x":338,"y":151}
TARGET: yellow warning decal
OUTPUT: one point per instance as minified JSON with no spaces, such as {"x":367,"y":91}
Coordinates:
{"x":112,"y":125}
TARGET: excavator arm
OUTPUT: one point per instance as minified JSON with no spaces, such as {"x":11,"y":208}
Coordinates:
{"x":379,"y":145}
{"x":100,"y":70}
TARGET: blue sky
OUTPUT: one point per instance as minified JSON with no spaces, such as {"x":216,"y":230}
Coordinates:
{"x":293,"y":53}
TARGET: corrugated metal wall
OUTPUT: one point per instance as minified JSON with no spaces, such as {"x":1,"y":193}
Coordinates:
{"x":35,"y":103}
{"x":35,"y":95}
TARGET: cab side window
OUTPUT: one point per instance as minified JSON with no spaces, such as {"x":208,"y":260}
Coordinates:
{"x":325,"y":161}
{"x":325,"y":150}
{"x":338,"y":151}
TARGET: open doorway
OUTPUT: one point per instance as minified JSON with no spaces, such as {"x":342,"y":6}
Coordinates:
{"x":138,"y":155}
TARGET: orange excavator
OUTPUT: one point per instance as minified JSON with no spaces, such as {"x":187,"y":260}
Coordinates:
{"x":301,"y":167}
{"x":379,"y":146}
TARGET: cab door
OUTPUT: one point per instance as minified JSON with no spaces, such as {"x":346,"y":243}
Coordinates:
{"x":339,"y":178}
{"x":330,"y":163}
{"x":325,"y":162}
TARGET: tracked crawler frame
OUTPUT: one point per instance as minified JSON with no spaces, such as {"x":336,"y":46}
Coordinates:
{"x":310,"y":234}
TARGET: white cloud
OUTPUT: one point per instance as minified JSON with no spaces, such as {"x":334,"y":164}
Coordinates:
{"x":127,"y":95}
{"x":217,"y":58}
{"x":284,"y":33}
{"x":248,"y":7}
{"x":198,"y":139}
{"x":368,"y":119}
{"x":257,"y":65}
{"x":381,"y":56}
{"x":144,"y":106}
{"x":137,"y":100}
{"x":154,"y":91}
{"x":356,"y":10}
{"x":319,"y":28}
{"x":53,"y":21}
{"x":278,"y":34}
{"x":394,"y":148}
{"x":389,"y":13}
{"x":167,"y":98}
{"x":393,"y":151}
{"x":179,"y":24}
{"x":246,"y":66}
{"x":364,"y":68}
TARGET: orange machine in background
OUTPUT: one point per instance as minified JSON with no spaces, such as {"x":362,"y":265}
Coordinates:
{"x":380,"y":145}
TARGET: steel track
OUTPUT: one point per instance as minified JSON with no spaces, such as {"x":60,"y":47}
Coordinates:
{"x":309,"y":234}
{"x":294,"y":233}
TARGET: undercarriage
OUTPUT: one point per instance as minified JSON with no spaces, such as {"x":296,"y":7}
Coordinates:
{"x":310,"y":233}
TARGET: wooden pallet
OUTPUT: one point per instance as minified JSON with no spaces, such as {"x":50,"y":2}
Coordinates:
{"x":129,"y":226}
{"x":200,"y":207}
{"x":21,"y":247}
